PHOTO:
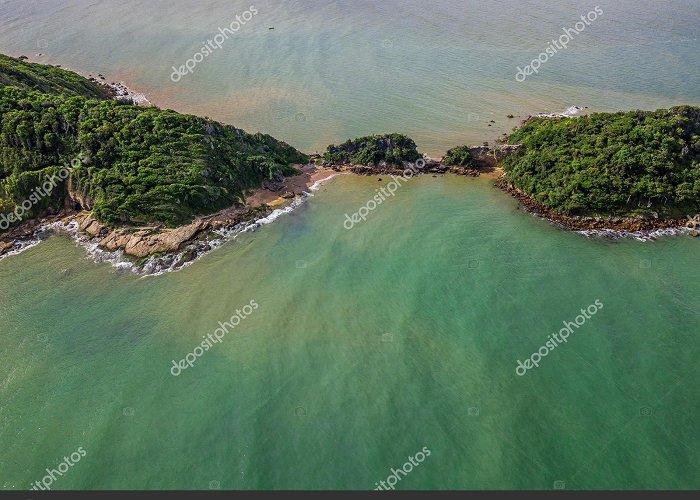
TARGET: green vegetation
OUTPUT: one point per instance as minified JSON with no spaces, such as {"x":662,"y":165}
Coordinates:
{"x":138,"y":165}
{"x":393,"y":149}
{"x":47,"y":79}
{"x":639,"y":162}
{"x":459,"y":156}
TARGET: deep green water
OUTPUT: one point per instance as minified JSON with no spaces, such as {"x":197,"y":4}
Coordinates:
{"x":368,"y":345}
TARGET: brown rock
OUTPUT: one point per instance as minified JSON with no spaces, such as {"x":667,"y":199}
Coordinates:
{"x":84,"y":221}
{"x":94,"y":229}
{"x":144,"y":243}
{"x":5,"y":246}
{"x":115,"y":240}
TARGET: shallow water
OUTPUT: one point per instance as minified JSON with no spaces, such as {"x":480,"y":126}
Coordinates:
{"x":368,"y":345}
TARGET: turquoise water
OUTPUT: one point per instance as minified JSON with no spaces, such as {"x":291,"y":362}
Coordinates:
{"x":402,"y":333}
{"x":367,"y":346}
{"x":437,"y":71}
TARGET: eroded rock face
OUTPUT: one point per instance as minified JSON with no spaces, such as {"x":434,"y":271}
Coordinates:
{"x":487,"y":157}
{"x":140,"y":243}
{"x":89,"y":225}
{"x":77,"y":200}
{"x":143,"y":243}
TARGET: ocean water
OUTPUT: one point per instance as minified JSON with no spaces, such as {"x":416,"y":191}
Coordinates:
{"x":368,"y":345}
{"x":330,"y":70}
{"x":372,"y":343}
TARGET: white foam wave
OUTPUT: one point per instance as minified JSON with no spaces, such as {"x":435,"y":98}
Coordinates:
{"x":649,"y":235}
{"x":276,"y":214}
{"x":572,"y":111}
{"x":153,"y":266}
{"x":567,"y":113}
{"x":317,"y":185}
{"x":21,"y":246}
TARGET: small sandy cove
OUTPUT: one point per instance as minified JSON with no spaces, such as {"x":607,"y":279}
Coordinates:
{"x":295,"y":185}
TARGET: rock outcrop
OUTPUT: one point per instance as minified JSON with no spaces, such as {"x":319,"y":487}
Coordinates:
{"x":490,"y":157}
{"x":582,"y":223}
{"x":77,"y":200}
{"x":141,"y":242}
{"x":89,"y":225}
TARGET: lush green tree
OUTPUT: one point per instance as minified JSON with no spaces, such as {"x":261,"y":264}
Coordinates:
{"x":459,"y":156}
{"x":394,"y":149}
{"x":638,"y":162}
{"x":48,"y":79}
{"x":138,"y":165}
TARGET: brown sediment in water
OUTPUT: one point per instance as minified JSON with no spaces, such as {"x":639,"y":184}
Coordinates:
{"x":142,"y":242}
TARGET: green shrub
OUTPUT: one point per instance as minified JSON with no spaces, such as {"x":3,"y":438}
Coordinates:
{"x":140,"y":165}
{"x":394,"y":149}
{"x":638,"y":162}
{"x":459,"y":156}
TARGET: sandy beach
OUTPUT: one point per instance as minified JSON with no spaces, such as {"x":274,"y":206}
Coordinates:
{"x":296,"y":185}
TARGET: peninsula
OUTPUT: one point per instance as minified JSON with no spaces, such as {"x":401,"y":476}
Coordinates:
{"x":147,"y":181}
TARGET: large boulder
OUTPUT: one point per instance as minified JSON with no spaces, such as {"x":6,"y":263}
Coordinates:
{"x":143,"y":243}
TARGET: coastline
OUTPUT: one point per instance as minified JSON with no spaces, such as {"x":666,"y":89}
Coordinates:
{"x":641,"y":228}
{"x":118,"y":89}
{"x":155,"y":250}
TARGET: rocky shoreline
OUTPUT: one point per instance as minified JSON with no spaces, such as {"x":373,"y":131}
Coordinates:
{"x":137,"y":244}
{"x":177,"y":247}
{"x":430,"y":168}
{"x":620,"y":225}
{"x":486,"y":160}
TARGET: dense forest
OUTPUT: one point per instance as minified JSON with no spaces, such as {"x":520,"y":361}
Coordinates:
{"x":48,"y":79}
{"x":129,"y":164}
{"x":142,"y":165}
{"x":392,"y":149}
{"x":633,"y":163}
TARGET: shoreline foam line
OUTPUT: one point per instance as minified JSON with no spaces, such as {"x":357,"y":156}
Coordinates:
{"x":154,"y":266}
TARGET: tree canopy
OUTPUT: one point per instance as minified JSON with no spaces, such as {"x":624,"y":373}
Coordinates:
{"x":138,"y":165}
{"x":632,"y":163}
